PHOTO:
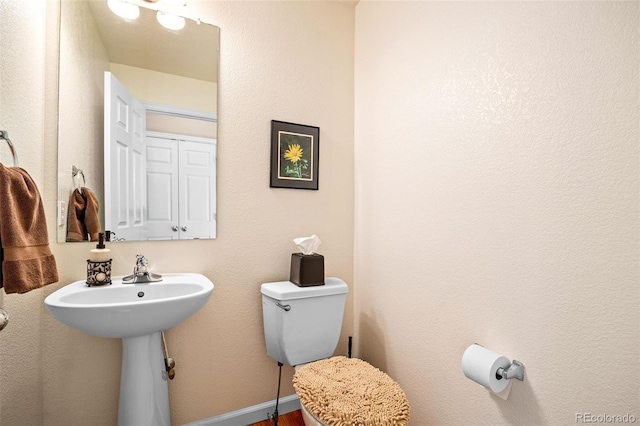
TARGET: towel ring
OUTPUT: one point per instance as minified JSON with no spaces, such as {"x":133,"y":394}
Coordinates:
{"x":5,"y":135}
{"x":4,"y":319}
{"x":75,"y":172}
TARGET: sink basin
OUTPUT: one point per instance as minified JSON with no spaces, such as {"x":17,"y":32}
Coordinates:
{"x":137,"y":313}
{"x":128,"y":310}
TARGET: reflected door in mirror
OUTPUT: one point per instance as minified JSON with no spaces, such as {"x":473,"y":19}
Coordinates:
{"x":181,"y":187}
{"x":124,"y":159}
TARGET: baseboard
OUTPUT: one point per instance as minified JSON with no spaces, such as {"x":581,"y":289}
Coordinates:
{"x":253,"y":414}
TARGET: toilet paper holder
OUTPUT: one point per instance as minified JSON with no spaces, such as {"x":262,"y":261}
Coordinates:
{"x":515,"y":371}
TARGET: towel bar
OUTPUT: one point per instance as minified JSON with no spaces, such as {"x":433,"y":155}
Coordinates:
{"x":5,"y":135}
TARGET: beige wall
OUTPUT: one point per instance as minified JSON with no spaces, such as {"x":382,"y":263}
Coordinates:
{"x":496,"y":193}
{"x":274,"y":58}
{"x":497,"y":202}
{"x":22,"y":92}
{"x":161,"y":88}
{"x":81,"y":104}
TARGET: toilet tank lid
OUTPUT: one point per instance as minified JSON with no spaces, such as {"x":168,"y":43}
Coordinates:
{"x":286,"y":290}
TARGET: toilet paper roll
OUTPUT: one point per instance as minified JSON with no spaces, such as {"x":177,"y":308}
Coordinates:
{"x":480,"y":365}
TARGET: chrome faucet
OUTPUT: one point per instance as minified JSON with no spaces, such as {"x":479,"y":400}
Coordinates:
{"x":140,"y":273}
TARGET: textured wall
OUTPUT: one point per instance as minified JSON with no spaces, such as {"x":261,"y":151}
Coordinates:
{"x":497,"y":202}
{"x":22,"y":90}
{"x":167,"y":89}
{"x":274,"y":65}
{"x":81,"y":104}
{"x":497,"y":150}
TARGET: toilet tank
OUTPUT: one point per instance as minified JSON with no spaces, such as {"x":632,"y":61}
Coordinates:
{"x":302,"y":324}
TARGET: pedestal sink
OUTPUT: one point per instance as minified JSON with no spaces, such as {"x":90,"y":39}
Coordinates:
{"x":136,"y":313}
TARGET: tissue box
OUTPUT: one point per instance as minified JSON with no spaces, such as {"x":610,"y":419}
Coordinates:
{"x":307,"y":269}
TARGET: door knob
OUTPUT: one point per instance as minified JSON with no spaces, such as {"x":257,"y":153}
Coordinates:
{"x":174,"y":228}
{"x":184,"y":229}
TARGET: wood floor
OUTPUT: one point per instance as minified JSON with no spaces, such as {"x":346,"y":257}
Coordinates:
{"x":293,"y":418}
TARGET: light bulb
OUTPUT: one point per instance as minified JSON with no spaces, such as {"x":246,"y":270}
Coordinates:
{"x":169,"y":21}
{"x":124,"y":10}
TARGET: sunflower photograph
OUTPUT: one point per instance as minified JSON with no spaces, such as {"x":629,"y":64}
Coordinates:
{"x":294,"y":155}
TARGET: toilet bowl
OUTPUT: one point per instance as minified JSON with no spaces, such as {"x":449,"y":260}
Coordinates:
{"x":349,"y":391}
{"x":302,"y":326}
{"x":308,"y":418}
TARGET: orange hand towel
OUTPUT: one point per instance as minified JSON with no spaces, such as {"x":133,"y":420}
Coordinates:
{"x":27,"y":261}
{"x":83,"y":223}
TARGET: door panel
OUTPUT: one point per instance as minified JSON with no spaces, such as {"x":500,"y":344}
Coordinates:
{"x":124,"y":161}
{"x":120,"y":195}
{"x":197,"y":189}
{"x":162,"y":188}
{"x":138,"y":169}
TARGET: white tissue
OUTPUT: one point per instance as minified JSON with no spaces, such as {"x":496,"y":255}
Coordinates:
{"x":308,"y":245}
{"x":481,"y":364}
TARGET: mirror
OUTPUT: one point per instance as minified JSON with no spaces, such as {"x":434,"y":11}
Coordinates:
{"x":137,"y":125}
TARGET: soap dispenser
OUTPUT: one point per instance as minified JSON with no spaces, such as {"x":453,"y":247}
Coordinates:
{"x":101,"y":253}
{"x":99,"y":264}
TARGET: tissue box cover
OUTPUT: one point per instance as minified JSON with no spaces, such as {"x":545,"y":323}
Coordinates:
{"x":307,"y":269}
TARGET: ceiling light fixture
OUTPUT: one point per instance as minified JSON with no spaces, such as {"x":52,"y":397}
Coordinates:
{"x":124,"y":10}
{"x":169,"y":21}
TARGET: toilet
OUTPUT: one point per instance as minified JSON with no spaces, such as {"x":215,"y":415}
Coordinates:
{"x":301,"y":327}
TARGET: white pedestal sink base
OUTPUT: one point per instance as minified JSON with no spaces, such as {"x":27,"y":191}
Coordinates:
{"x":134,"y":312}
{"x":144,"y":390}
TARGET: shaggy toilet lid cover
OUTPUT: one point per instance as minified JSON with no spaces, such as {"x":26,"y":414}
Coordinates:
{"x":342,"y":391}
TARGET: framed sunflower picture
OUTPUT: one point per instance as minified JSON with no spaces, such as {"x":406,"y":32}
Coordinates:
{"x":294,"y":155}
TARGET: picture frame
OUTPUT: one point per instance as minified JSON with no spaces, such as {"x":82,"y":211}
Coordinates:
{"x":294,"y":155}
